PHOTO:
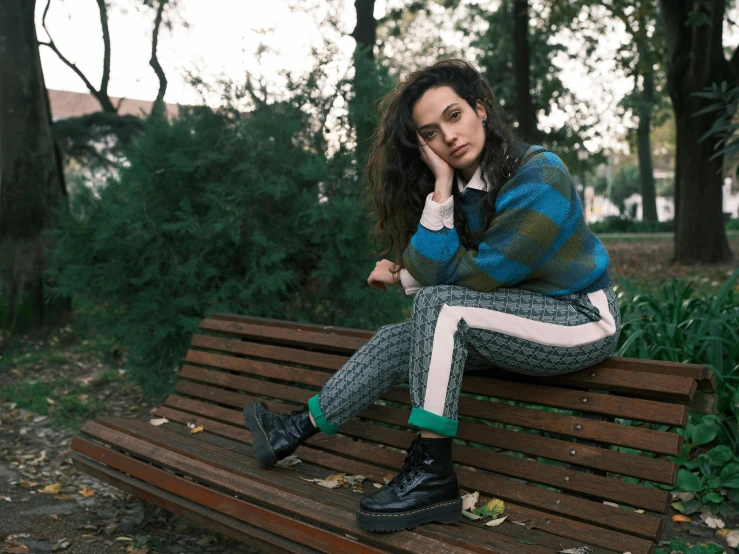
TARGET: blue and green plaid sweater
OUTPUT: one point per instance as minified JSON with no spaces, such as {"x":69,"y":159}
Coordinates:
{"x":538,"y":239}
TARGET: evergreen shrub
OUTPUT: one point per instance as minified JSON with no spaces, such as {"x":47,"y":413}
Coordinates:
{"x":246,"y":211}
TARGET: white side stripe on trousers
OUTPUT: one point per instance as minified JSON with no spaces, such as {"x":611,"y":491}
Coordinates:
{"x":539,"y":332}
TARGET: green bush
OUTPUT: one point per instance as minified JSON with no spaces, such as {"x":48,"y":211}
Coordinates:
{"x":617,"y":224}
{"x":679,"y":324}
{"x":733,"y":224}
{"x":248,"y":212}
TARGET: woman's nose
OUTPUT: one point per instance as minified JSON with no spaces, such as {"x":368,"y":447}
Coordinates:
{"x":449,"y":135}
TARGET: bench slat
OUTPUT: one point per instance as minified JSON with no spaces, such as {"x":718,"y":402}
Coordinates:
{"x":652,"y":469}
{"x":616,"y":406}
{"x":206,"y":472}
{"x":281,"y":335}
{"x":701,"y":373}
{"x":579,"y":427}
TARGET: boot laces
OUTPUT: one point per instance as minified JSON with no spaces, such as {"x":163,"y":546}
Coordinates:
{"x":412,"y":465}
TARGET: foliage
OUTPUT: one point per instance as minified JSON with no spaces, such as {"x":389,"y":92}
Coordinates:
{"x":617,"y":224}
{"x":723,"y":102}
{"x":717,"y":477}
{"x":733,"y":224}
{"x":679,"y":546}
{"x":679,"y":324}
{"x":223,"y":211}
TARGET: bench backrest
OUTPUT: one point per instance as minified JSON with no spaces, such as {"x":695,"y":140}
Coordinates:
{"x":569,"y":455}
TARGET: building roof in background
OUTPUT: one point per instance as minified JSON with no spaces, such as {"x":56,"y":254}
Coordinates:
{"x":66,"y":104}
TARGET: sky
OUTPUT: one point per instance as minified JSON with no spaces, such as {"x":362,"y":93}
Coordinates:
{"x":222,"y":38}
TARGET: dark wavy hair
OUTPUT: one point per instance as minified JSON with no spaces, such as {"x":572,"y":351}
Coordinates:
{"x":399,"y":181}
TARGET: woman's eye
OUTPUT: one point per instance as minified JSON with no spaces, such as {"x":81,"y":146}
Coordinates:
{"x":455,"y":115}
{"x":428,"y":134}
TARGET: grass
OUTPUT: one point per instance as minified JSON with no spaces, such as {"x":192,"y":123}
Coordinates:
{"x":66,"y":403}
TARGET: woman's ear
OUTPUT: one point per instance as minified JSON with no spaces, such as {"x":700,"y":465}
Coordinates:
{"x":480,"y":109}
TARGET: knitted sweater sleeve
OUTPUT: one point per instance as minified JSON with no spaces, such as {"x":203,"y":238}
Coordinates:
{"x":536,"y":212}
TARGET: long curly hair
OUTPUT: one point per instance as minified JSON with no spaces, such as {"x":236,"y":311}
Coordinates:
{"x":399,"y":181}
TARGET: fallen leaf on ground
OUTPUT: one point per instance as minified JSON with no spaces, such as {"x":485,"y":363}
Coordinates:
{"x":496,"y":522}
{"x":61,"y":545}
{"x":52,"y":489}
{"x":140,"y":551}
{"x":470,"y":515}
{"x":87,"y":492}
{"x":469,"y":501}
{"x":288,"y":462}
{"x":198,"y":429}
{"x":494,"y":508}
{"x":377,"y":485}
{"x":681,"y":517}
{"x":732,"y":539}
{"x":62,"y":497}
{"x":158,"y":421}
{"x":16,"y":548}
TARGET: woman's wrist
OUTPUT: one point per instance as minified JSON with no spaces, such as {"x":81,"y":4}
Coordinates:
{"x":443,"y":189}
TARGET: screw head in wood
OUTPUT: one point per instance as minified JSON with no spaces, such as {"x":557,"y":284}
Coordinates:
{"x":572,"y":452}
{"x":584,"y":400}
{"x":566,"y":478}
{"x":578,"y":427}
{"x":592,"y":373}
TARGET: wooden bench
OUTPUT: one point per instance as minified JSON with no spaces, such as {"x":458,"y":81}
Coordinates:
{"x":548,"y":448}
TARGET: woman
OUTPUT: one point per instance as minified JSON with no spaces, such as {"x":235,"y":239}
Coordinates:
{"x":505,"y":272}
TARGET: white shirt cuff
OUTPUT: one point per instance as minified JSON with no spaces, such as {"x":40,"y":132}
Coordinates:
{"x":410,"y":285}
{"x":437,"y":216}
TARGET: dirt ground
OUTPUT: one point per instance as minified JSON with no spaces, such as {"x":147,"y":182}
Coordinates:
{"x":46,"y":505}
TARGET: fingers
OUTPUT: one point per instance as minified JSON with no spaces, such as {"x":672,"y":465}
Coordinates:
{"x":420,"y":140}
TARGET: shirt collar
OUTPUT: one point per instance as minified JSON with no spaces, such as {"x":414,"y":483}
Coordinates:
{"x":475,"y":183}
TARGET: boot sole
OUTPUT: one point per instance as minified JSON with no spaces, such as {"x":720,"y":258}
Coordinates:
{"x":443,"y":512}
{"x":260,"y":444}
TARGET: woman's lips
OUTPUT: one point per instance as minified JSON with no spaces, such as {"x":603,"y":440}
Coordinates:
{"x":459,"y":151}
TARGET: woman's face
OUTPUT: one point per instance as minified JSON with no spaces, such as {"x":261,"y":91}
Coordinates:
{"x":448,"y":124}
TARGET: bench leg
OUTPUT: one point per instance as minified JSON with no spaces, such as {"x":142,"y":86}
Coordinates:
{"x":138,"y":522}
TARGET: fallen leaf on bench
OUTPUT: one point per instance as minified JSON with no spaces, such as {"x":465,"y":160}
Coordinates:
{"x":198,"y":429}
{"x":470,"y":515}
{"x":494,"y":509}
{"x":469,"y":501}
{"x":329,"y":484}
{"x":87,"y":492}
{"x":355,"y":482}
{"x":52,"y":489}
{"x":159,"y":421}
{"x":496,"y":522}
{"x":377,"y":485}
{"x":387,"y":477}
{"x":578,"y":550}
{"x":288,"y":462}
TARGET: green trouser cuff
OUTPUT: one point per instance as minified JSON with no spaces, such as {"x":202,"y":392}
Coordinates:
{"x":315,"y":410}
{"x":433,"y":422}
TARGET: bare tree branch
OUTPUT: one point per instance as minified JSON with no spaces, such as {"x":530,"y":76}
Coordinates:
{"x":106,"y":43}
{"x":100,"y":95}
{"x":154,"y":61}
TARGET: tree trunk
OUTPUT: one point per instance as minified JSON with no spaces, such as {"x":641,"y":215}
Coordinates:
{"x":522,"y":68}
{"x":644,"y":143}
{"x":696,"y":61}
{"x":365,"y":33}
{"x":31,"y":186}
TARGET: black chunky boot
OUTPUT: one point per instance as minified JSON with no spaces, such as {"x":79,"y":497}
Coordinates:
{"x":276,"y":436}
{"x":425,"y":490}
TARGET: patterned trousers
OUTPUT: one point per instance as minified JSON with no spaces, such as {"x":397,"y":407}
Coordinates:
{"x":453,"y":329}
